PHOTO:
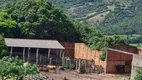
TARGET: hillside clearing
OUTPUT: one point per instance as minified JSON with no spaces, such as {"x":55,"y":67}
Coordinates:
{"x":98,"y":18}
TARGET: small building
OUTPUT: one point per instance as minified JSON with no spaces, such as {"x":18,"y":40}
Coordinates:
{"x":117,"y":58}
{"x":35,"y":51}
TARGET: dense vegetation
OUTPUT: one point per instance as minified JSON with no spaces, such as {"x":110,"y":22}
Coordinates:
{"x":13,"y":69}
{"x":39,"y":19}
{"x":3,"y":47}
{"x":122,"y":17}
{"x":109,"y":16}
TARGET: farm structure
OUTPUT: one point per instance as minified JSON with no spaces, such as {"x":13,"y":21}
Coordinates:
{"x":117,"y":61}
{"x":136,"y":65}
{"x":41,"y":52}
{"x":83,"y":52}
{"x":114,"y":58}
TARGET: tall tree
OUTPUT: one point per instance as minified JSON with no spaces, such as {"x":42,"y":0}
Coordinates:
{"x":3,"y":47}
{"x":40,"y":19}
{"x":6,"y":24}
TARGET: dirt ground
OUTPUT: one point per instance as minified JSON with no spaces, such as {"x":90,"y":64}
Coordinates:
{"x":72,"y":75}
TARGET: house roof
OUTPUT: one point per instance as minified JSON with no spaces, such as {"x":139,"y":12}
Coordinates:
{"x":33,"y":43}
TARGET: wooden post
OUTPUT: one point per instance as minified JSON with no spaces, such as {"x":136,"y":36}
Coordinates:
{"x":63,"y":55}
{"x":63,"y":61}
{"x":37,"y":50}
{"x":85,"y":65}
{"x":23,"y":54}
{"x":28,"y":54}
{"x":79,"y":65}
{"x":40,"y":59}
{"x":50,"y":61}
{"x":11,"y":50}
{"x":57,"y":51}
{"x":106,"y":61}
{"x":76,"y":65}
{"x":87,"y":54}
{"x":60,"y":53}
{"x":48,"y":53}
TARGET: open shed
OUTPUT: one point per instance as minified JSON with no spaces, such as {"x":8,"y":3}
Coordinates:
{"x":35,"y":51}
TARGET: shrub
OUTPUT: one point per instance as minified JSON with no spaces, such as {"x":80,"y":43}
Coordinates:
{"x":69,"y":66}
{"x":103,"y":57}
{"x":139,"y":74}
{"x":13,"y":68}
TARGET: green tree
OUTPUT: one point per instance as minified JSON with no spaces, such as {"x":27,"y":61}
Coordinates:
{"x":3,"y":47}
{"x":6,"y":24}
{"x":40,"y":19}
{"x":13,"y":68}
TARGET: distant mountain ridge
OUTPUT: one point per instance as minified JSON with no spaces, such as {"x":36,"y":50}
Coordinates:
{"x":110,"y":16}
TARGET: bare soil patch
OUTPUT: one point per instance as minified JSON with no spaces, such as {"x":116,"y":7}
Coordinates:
{"x":72,"y":75}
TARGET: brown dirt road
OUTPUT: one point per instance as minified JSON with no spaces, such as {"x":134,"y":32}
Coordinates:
{"x":72,"y":75}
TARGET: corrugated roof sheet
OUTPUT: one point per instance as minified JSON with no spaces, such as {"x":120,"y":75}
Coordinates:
{"x":33,"y":43}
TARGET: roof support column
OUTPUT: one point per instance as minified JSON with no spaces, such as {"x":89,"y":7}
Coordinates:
{"x":11,"y":50}
{"x":37,"y":50}
{"x":57,"y":51}
{"x":60,"y":53}
{"x":48,"y":53}
{"x":28,"y":54}
{"x":23,"y":54}
{"x":63,"y":54}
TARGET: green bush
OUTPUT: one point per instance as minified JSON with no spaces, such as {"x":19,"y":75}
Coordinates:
{"x":69,"y":66}
{"x":139,"y":74}
{"x":13,"y":68}
{"x":65,"y":66}
{"x":103,"y":57}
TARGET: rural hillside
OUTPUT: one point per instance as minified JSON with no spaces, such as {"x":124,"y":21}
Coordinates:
{"x":122,"y":17}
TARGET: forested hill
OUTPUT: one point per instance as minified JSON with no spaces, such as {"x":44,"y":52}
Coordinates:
{"x":113,"y":16}
{"x":39,"y":19}
{"x":123,"y":17}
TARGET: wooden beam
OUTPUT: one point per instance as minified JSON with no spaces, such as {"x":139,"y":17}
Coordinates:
{"x":48,"y":53}
{"x":37,"y":50}
{"x":23,"y":54}
{"x":11,"y":50}
{"x":28,"y":54}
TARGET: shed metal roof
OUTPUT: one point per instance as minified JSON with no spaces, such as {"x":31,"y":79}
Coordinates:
{"x":33,"y":43}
